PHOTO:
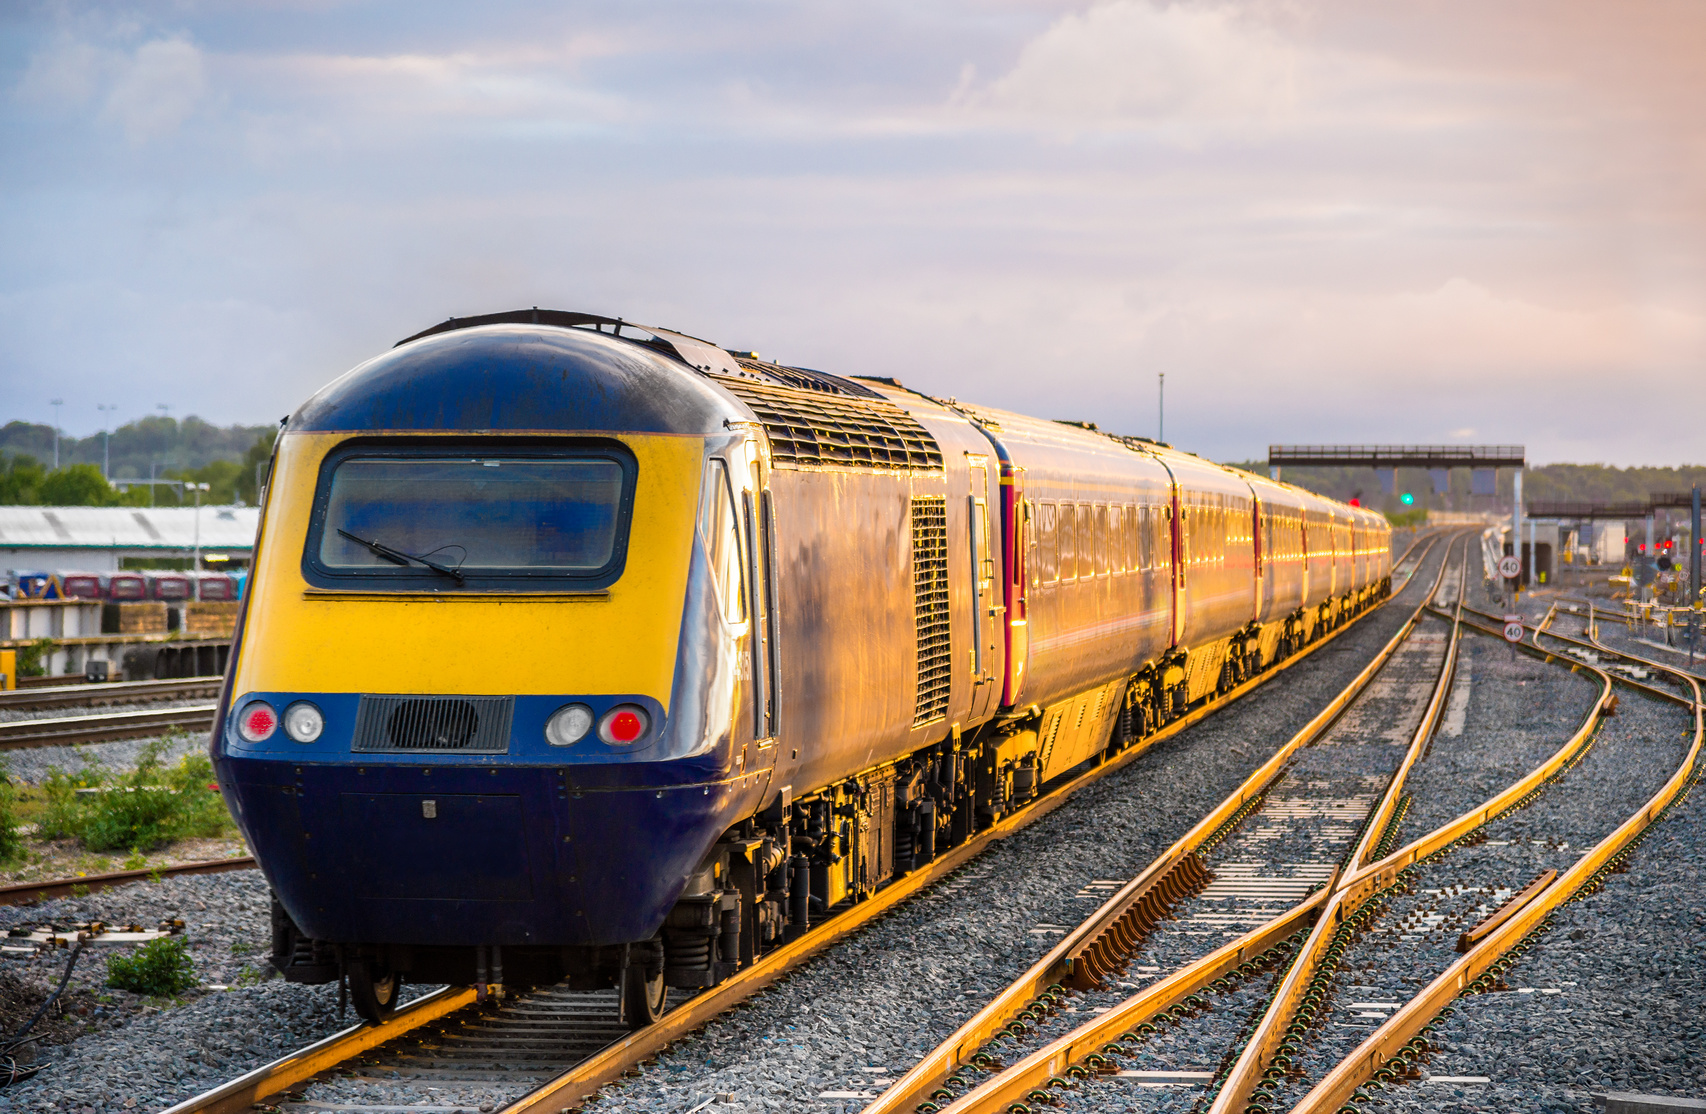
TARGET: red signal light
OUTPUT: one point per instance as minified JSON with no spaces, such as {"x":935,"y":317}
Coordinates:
{"x":1356,"y":502}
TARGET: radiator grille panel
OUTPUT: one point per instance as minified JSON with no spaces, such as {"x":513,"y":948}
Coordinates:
{"x":817,"y":429}
{"x":930,"y":606}
{"x":446,"y":724}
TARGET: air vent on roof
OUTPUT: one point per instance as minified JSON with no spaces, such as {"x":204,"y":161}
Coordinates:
{"x":930,"y":606}
{"x":822,"y":430}
{"x":807,"y":379}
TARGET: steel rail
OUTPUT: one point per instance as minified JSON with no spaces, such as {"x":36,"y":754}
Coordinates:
{"x":240,"y":1094}
{"x":1592,"y":634}
{"x":28,"y":893}
{"x":1263,"y":1045}
{"x":1414,"y":1019}
{"x":1688,"y":680}
{"x":107,"y":727}
{"x":1068,"y":1055}
{"x":1073,"y":1050}
{"x":110,"y":692}
{"x":610,"y":1063}
{"x":1056,"y":966}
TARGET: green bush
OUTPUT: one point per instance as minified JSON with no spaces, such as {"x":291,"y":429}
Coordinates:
{"x":160,"y":968}
{"x":11,"y":843}
{"x":140,"y":810}
{"x":33,"y":659}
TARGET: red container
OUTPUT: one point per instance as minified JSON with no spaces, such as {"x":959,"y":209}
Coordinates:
{"x":170,"y":586}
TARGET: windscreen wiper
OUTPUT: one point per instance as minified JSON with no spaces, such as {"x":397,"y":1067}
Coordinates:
{"x":398,"y":557}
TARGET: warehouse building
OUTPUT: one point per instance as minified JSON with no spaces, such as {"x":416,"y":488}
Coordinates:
{"x":101,"y":539}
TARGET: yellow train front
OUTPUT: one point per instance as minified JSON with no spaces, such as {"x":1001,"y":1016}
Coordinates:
{"x":580,"y":650}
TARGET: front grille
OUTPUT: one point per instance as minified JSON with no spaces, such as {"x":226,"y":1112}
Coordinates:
{"x":452,"y":724}
{"x":930,"y":606}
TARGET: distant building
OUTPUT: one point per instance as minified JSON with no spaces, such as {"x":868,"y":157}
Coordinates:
{"x":99,"y":539}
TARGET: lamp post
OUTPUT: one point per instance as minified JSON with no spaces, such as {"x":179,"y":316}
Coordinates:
{"x":56,"y":404}
{"x":106,"y":441}
{"x":198,"y":489}
{"x":1161,"y":407}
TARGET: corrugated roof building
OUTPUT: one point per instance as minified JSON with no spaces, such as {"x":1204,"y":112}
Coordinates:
{"x":98,"y":539}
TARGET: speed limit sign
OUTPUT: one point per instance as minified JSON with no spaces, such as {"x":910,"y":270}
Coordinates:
{"x":1513,"y":628}
{"x":1510,"y":568}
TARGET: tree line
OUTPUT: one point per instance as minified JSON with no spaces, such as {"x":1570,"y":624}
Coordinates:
{"x":232,"y":476}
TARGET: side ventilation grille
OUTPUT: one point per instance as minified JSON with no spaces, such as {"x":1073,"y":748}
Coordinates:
{"x":458,"y":724}
{"x":820,"y":429}
{"x":930,"y":606}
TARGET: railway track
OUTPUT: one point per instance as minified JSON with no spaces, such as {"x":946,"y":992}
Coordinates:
{"x":448,"y":1035}
{"x":28,"y":893}
{"x":1263,"y":1069}
{"x":1280,"y":836}
{"x":104,"y":727}
{"x":115,"y":692}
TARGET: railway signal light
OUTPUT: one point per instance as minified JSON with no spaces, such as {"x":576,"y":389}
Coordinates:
{"x":1407,"y":499}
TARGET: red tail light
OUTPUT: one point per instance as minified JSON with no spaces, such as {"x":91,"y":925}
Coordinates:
{"x":257,"y":721}
{"x":624,"y":724}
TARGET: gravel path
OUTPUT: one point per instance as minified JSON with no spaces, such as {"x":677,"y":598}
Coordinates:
{"x":31,"y":766}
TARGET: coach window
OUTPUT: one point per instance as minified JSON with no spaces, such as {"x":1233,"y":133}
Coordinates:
{"x":1099,"y":516}
{"x":722,"y":540}
{"x":1048,"y":544}
{"x":1067,"y":532}
{"x":1086,"y":541}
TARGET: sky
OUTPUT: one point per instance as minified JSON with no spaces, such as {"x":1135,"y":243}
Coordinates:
{"x":1443,"y":221}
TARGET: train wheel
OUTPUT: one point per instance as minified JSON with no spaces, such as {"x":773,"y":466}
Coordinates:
{"x":372,"y":991}
{"x":642,"y":998}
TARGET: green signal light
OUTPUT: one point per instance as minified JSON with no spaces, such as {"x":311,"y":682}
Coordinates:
{"x":1407,"y":499}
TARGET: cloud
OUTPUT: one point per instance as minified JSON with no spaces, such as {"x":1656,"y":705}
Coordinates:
{"x":156,"y":89}
{"x":149,"y":91}
{"x":1136,"y":61}
{"x":64,"y":76}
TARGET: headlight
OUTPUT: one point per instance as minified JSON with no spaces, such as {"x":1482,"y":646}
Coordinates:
{"x":624,"y":724}
{"x":257,"y":721}
{"x":568,"y":725}
{"x":303,"y":722}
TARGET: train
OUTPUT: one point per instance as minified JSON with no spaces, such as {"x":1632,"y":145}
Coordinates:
{"x":127,"y":586}
{"x":581,"y":650}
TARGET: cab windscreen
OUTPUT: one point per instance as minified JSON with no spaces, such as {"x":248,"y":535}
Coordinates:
{"x":477,"y":521}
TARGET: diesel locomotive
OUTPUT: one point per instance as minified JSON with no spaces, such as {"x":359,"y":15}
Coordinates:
{"x":581,"y":650}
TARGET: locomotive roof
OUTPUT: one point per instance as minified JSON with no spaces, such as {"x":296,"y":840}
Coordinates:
{"x":520,"y":376}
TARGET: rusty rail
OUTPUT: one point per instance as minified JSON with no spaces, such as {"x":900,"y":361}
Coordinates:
{"x":28,"y":893}
{"x":107,"y":727}
{"x":111,"y":692}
